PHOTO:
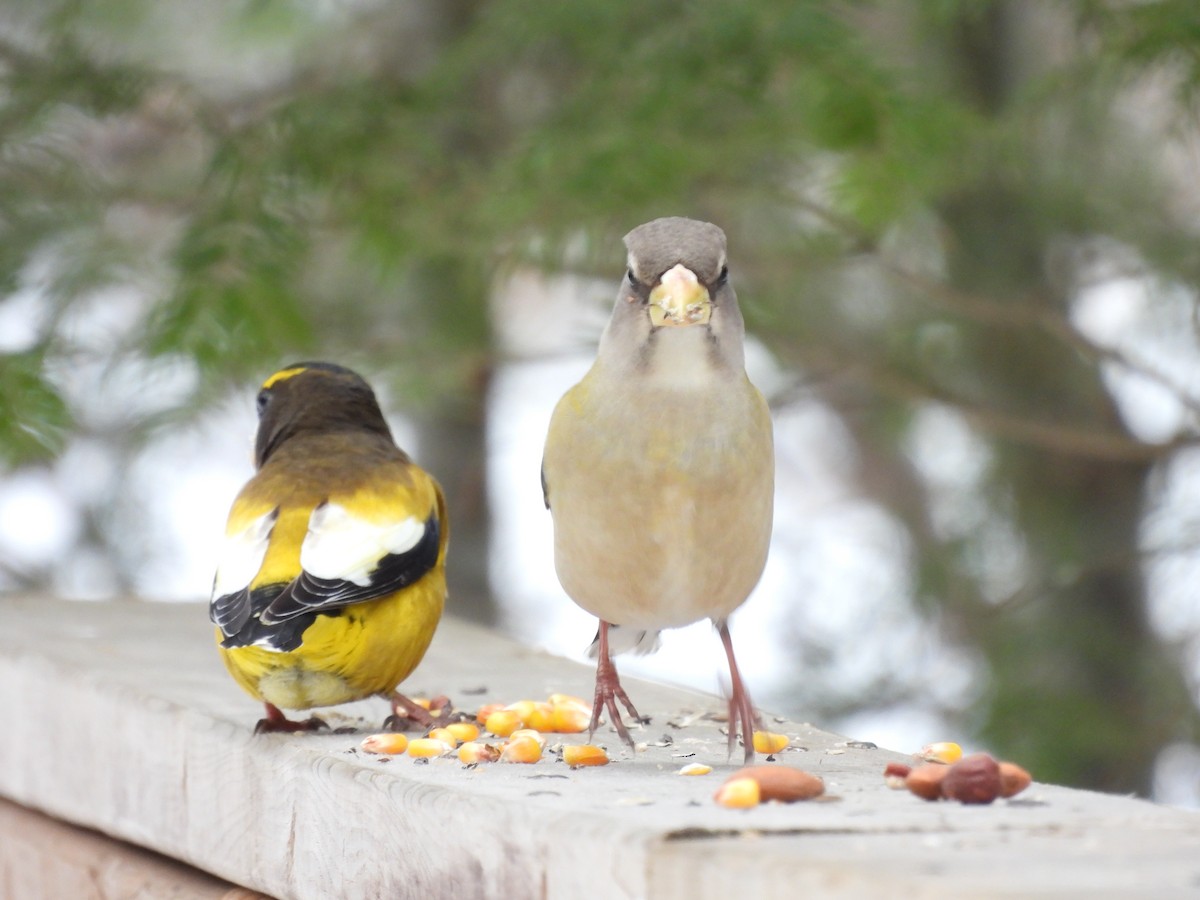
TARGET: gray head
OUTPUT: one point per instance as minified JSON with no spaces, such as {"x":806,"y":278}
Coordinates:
{"x":676,"y":299}
{"x":657,"y":246}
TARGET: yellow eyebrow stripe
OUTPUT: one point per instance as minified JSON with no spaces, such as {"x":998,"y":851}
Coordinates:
{"x":283,"y":375}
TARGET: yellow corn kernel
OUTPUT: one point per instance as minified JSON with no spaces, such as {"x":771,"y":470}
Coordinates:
{"x":584,"y":755}
{"x":529,"y":733}
{"x":503,"y":722}
{"x":570,"y":716}
{"x":570,"y":699}
{"x":478,"y":752}
{"x":486,"y":710}
{"x":462,"y":731}
{"x":941,"y":752}
{"x":695,"y":769}
{"x":740,"y":793}
{"x":769,"y":742}
{"x":428,"y":747}
{"x":540,"y":717}
{"x":445,"y":735}
{"x":424,"y":702}
{"x":523,"y":708}
{"x":521,"y":750}
{"x":389,"y":742}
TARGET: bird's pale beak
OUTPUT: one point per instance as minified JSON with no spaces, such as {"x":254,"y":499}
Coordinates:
{"x":679,"y":299}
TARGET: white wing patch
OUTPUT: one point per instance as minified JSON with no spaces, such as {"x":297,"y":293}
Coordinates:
{"x":242,"y":555}
{"x":340,"y":546}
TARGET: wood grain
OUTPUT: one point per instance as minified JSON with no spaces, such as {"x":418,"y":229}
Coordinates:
{"x":119,"y":717}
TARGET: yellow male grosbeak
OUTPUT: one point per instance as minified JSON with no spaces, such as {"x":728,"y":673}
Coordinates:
{"x":659,"y":465}
{"x":332,"y":579}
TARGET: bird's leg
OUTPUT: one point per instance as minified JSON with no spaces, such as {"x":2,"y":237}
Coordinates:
{"x":609,"y":691}
{"x":741,"y":707}
{"x":406,"y":714}
{"x":277,"y":721}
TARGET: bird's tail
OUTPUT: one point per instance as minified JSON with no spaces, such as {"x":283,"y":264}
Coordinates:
{"x":626,"y":640}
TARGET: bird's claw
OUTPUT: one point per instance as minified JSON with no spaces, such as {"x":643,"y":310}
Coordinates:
{"x":608,"y":693}
{"x":272,"y":725}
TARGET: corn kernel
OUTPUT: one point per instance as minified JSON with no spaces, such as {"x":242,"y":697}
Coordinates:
{"x":569,"y":699}
{"x":445,"y":735}
{"x":540,"y":717}
{"x":478,"y":752}
{"x":523,"y":709}
{"x":486,"y":710}
{"x":769,"y":742}
{"x":428,"y":747}
{"x":584,"y":755}
{"x":942,"y":752}
{"x":695,"y":769}
{"x":424,"y":702}
{"x":521,"y":750}
{"x":462,"y":731}
{"x":740,"y":793}
{"x":503,"y":722}
{"x":570,"y":715}
{"x":529,"y":733}
{"x":389,"y":742}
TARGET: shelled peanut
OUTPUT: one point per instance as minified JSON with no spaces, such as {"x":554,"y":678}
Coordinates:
{"x":974,"y":779}
{"x":759,"y":784}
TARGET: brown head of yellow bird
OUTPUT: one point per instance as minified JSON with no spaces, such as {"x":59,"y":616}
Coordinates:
{"x":332,"y":579}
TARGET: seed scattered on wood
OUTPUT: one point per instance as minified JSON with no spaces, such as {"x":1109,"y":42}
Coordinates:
{"x":769,"y":742}
{"x":781,"y":783}
{"x":946,"y":752}
{"x":973,"y":779}
{"x":523,"y":749}
{"x":926,"y":780}
{"x":388,"y":742}
{"x":427,"y":747}
{"x":894,"y":774}
{"x":1013,"y":779}
{"x":739,"y":793}
{"x":463,"y":731}
{"x":575,"y":755}
{"x":503,"y":722}
{"x":475,"y":752}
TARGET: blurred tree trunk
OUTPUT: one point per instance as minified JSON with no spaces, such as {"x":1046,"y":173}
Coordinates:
{"x":1080,"y":642}
{"x":454,"y":450}
{"x":454,"y":342}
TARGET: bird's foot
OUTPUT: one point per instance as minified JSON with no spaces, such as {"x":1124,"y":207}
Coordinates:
{"x":276,"y":721}
{"x":742,"y":715}
{"x":609,"y":692}
{"x":410,"y":716}
{"x":743,"y":720}
{"x":607,"y":695}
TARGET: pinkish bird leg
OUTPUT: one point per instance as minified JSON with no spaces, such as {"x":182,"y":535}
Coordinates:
{"x":741,"y":707}
{"x":609,"y":691}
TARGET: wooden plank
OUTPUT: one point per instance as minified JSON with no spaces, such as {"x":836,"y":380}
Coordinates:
{"x":42,"y":857}
{"x":162,"y":754}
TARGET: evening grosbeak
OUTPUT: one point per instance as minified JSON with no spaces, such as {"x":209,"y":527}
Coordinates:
{"x":332,"y":577}
{"x":659,"y":465}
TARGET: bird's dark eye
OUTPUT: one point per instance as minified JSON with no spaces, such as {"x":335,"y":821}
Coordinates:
{"x":632,"y":278}
{"x":723,"y":275}
{"x":264,"y":397}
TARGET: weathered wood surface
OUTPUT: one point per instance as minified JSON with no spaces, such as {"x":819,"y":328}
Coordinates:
{"x":119,"y":717}
{"x":42,"y":857}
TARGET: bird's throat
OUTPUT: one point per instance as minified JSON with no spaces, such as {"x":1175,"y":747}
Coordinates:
{"x":681,"y":358}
